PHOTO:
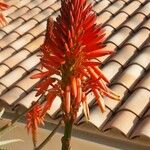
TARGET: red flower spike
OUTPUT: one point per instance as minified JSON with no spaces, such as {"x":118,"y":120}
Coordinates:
{"x":3,"y":6}
{"x":71,"y":45}
{"x":34,"y":119}
{"x":67,"y":99}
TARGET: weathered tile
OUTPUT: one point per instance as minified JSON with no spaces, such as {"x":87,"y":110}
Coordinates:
{"x":55,"y":107}
{"x":16,"y":59}
{"x":114,"y":104}
{"x":26,"y":26}
{"x":124,"y":55}
{"x":3,"y":69}
{"x":124,"y":121}
{"x":115,"y":7}
{"x":103,"y":18}
{"x":137,"y":102}
{"x":7,"y":52}
{"x":108,"y":30}
{"x":22,"y":3}
{"x":8,"y":39}
{"x":145,"y":9}
{"x":135,"y":21}
{"x":130,"y":76}
{"x":111,"y":69}
{"x":138,"y":42}
{"x":35,"y":44}
{"x":26,"y":83}
{"x":34,"y":3}
{"x":131,"y":7}
{"x":56,"y":5}
{"x":145,"y":82}
{"x":119,"y":37}
{"x":43,"y":15}
{"x":143,"y":128}
{"x":146,"y":25}
{"x":10,"y":10}
{"x":13,"y":25}
{"x":21,"y":42}
{"x":2,"y":34}
{"x":101,"y":6}
{"x":38,"y":29}
{"x":97,"y":118}
{"x":2,"y":88}
{"x":30,"y":13}
{"x":143,"y":58}
{"x":18,"y":13}
{"x":46,"y":4}
{"x":27,"y":100}
{"x":117,"y":20}
{"x":12,"y":95}
{"x":12,"y":77}
{"x":30,"y":62}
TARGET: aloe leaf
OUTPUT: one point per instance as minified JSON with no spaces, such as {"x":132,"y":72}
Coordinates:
{"x":10,"y":141}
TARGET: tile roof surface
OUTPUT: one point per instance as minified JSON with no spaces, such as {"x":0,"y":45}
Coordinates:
{"x":127,"y":25}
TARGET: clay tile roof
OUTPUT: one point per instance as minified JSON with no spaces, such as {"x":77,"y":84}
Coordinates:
{"x":127,"y":24}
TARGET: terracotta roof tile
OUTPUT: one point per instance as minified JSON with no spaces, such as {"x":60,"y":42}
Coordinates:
{"x":131,"y":7}
{"x":115,"y":7}
{"x":143,"y":58}
{"x":8,"y":39}
{"x":130,"y":76}
{"x":4,"y":68}
{"x":56,"y":5}
{"x":4,"y":54}
{"x":124,"y":121}
{"x":34,"y":3}
{"x":26,"y":26}
{"x":2,"y":34}
{"x":43,"y":15}
{"x":124,"y":55}
{"x":145,"y":9}
{"x":101,"y":6}
{"x":16,"y":59}
{"x":34,"y":45}
{"x":26,"y":84}
{"x":122,"y":91}
{"x":18,"y":13}
{"x":135,"y":21}
{"x":117,"y":20}
{"x":34,"y":60}
{"x":111,"y":69}
{"x":12,"y":95}
{"x":95,"y":113}
{"x":145,"y":82}
{"x":12,"y":77}
{"x":13,"y":25}
{"x":137,"y":102}
{"x":127,"y":26}
{"x":19,"y":43}
{"x":120,"y":36}
{"x":46,"y":4}
{"x":138,"y":42}
{"x":10,"y":10}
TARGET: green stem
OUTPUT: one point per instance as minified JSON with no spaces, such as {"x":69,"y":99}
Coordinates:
{"x":67,"y":135}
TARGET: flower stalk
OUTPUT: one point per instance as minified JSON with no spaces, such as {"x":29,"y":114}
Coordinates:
{"x":66,"y":139}
{"x":72,"y":45}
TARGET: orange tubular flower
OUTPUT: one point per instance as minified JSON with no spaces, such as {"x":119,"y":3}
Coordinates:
{"x":34,"y":119}
{"x":72,"y":42}
{"x":3,"y":6}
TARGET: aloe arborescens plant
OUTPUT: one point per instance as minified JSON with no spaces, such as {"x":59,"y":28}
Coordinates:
{"x":72,"y":44}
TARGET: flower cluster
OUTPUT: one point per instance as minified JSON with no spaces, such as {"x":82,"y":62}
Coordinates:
{"x":3,"y":6}
{"x":69,"y":53}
